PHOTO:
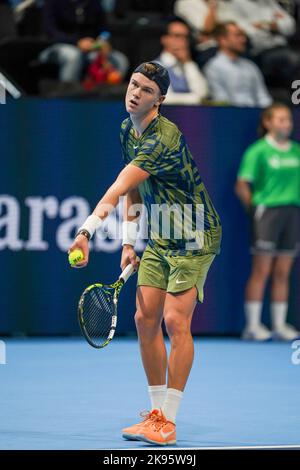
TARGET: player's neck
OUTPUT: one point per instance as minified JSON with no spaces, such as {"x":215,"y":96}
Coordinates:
{"x":140,"y":123}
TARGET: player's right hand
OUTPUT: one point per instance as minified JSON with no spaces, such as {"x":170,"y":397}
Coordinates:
{"x":81,"y":243}
{"x":129,"y":256}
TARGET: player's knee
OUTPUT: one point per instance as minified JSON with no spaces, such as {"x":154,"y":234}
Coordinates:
{"x":145,"y":324}
{"x":176,"y":325}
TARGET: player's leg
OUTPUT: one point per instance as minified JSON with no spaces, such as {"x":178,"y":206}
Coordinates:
{"x":148,"y":319}
{"x":279,"y":298}
{"x":178,"y":313}
{"x":186,"y":281}
{"x":255,"y":288}
{"x":149,"y":302}
{"x":152,"y":284}
{"x":185,"y":287}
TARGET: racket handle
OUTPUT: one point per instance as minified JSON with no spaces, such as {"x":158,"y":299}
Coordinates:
{"x":127,"y":272}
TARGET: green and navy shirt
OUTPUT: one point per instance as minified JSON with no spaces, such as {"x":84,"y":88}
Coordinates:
{"x":273,"y":172}
{"x":174,"y":190}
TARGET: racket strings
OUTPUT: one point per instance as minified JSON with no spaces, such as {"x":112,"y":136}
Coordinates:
{"x":97,"y":312}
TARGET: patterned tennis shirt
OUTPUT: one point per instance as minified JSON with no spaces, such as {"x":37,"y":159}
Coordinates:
{"x":181,"y":217}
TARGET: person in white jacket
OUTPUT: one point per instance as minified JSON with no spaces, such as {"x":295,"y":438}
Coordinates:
{"x":268,"y":27}
{"x":266,"y":24}
{"x":188,"y":85}
{"x":202,"y":16}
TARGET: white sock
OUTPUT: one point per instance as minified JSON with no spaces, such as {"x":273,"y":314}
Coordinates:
{"x":278,"y":314}
{"x":171,"y":404}
{"x":253,"y":314}
{"x":157,"y":395}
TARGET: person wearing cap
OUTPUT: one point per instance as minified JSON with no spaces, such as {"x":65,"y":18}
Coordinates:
{"x":184,"y":238}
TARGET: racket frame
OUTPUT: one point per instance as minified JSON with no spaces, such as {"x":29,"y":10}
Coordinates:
{"x":117,"y":288}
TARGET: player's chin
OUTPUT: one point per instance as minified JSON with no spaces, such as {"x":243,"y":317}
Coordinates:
{"x":132,"y":109}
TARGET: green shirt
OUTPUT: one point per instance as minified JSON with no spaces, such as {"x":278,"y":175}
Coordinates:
{"x":174,"y":183}
{"x":274,"y":173}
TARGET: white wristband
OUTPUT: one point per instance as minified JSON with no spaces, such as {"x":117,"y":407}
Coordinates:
{"x":91,"y":224}
{"x":130,"y":231}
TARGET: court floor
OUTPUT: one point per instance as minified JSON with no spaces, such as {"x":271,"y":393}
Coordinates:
{"x":63,"y":394}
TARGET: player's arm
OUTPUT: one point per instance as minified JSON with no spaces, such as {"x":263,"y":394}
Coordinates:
{"x":128,"y":180}
{"x":244,"y":192}
{"x":131,"y":215}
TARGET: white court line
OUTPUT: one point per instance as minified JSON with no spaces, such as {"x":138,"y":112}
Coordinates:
{"x":254,"y":447}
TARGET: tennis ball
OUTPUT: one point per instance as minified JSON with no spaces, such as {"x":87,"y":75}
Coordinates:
{"x":75,"y":257}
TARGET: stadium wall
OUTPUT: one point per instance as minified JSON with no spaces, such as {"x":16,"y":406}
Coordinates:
{"x":57,"y":158}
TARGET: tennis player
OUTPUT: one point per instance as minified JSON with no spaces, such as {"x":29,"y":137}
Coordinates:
{"x":269,"y":187}
{"x":160,"y":172}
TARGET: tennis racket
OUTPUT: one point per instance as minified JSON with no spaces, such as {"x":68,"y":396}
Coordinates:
{"x":97,"y":310}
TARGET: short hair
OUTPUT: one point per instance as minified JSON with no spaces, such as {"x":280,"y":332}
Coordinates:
{"x":221,"y":29}
{"x":173,"y":19}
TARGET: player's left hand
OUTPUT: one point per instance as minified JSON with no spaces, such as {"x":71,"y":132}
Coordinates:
{"x":81,"y":243}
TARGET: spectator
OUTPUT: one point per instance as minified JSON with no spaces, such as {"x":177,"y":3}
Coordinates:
{"x":75,"y":27}
{"x":232,"y":78}
{"x":268,"y":26}
{"x":124,"y":8}
{"x":188,"y":85}
{"x":101,"y":70}
{"x":268,"y":185}
{"x":203,"y":16}
{"x":7,"y":22}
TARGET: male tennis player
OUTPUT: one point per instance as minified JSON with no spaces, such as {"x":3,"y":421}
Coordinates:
{"x":160,"y":172}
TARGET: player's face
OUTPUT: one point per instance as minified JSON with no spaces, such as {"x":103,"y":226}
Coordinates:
{"x":280,"y":123}
{"x":143,"y":95}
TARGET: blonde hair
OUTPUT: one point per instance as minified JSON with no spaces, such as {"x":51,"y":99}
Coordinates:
{"x":267,"y":114}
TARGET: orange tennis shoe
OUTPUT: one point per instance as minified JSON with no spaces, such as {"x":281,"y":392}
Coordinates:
{"x":159,"y":431}
{"x":132,"y":433}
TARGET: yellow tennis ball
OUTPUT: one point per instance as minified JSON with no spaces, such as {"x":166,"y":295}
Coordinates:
{"x":75,"y":257}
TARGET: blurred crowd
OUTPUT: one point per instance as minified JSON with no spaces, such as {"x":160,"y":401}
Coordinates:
{"x":229,"y":52}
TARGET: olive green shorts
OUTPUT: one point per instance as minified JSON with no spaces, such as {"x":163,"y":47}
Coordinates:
{"x":174,"y":273}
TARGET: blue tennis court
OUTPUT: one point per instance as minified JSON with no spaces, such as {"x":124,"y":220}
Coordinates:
{"x":62,"y":394}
